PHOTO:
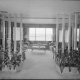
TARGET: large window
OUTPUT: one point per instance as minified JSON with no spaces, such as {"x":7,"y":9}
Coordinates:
{"x":40,"y":34}
{"x":49,"y":34}
{"x":32,"y":34}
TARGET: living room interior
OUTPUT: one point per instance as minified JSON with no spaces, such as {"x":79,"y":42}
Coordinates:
{"x":39,"y":39}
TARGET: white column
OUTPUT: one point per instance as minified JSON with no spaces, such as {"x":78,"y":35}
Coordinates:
{"x":3,"y":19}
{"x":45,"y":34}
{"x":9,"y":33}
{"x":79,"y":29}
{"x":73,"y":37}
{"x":72,"y":32}
{"x":57,"y":33}
{"x":75,"y":33}
{"x":35,"y":34}
{"x":54,"y":34}
{"x":15,"y":25}
{"x":1,"y":25}
{"x":69,"y":30}
{"x":27,"y":29}
{"x":79,"y":35}
{"x":21,"y":34}
{"x":63,"y":33}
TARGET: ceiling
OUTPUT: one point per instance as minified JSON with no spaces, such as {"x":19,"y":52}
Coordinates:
{"x":40,"y":8}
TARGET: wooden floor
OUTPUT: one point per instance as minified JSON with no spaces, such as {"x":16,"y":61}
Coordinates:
{"x":38,"y":65}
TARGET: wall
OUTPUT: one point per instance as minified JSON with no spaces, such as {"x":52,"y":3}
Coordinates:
{"x":50,"y":26}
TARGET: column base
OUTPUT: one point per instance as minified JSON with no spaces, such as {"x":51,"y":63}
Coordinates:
{"x":17,"y":69}
{"x":73,"y":71}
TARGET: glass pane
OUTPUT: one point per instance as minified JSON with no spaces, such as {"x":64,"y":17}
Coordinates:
{"x":49,"y":34}
{"x":40,"y":34}
{"x":31,"y":34}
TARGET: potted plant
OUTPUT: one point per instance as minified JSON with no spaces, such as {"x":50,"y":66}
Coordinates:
{"x":70,"y":60}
